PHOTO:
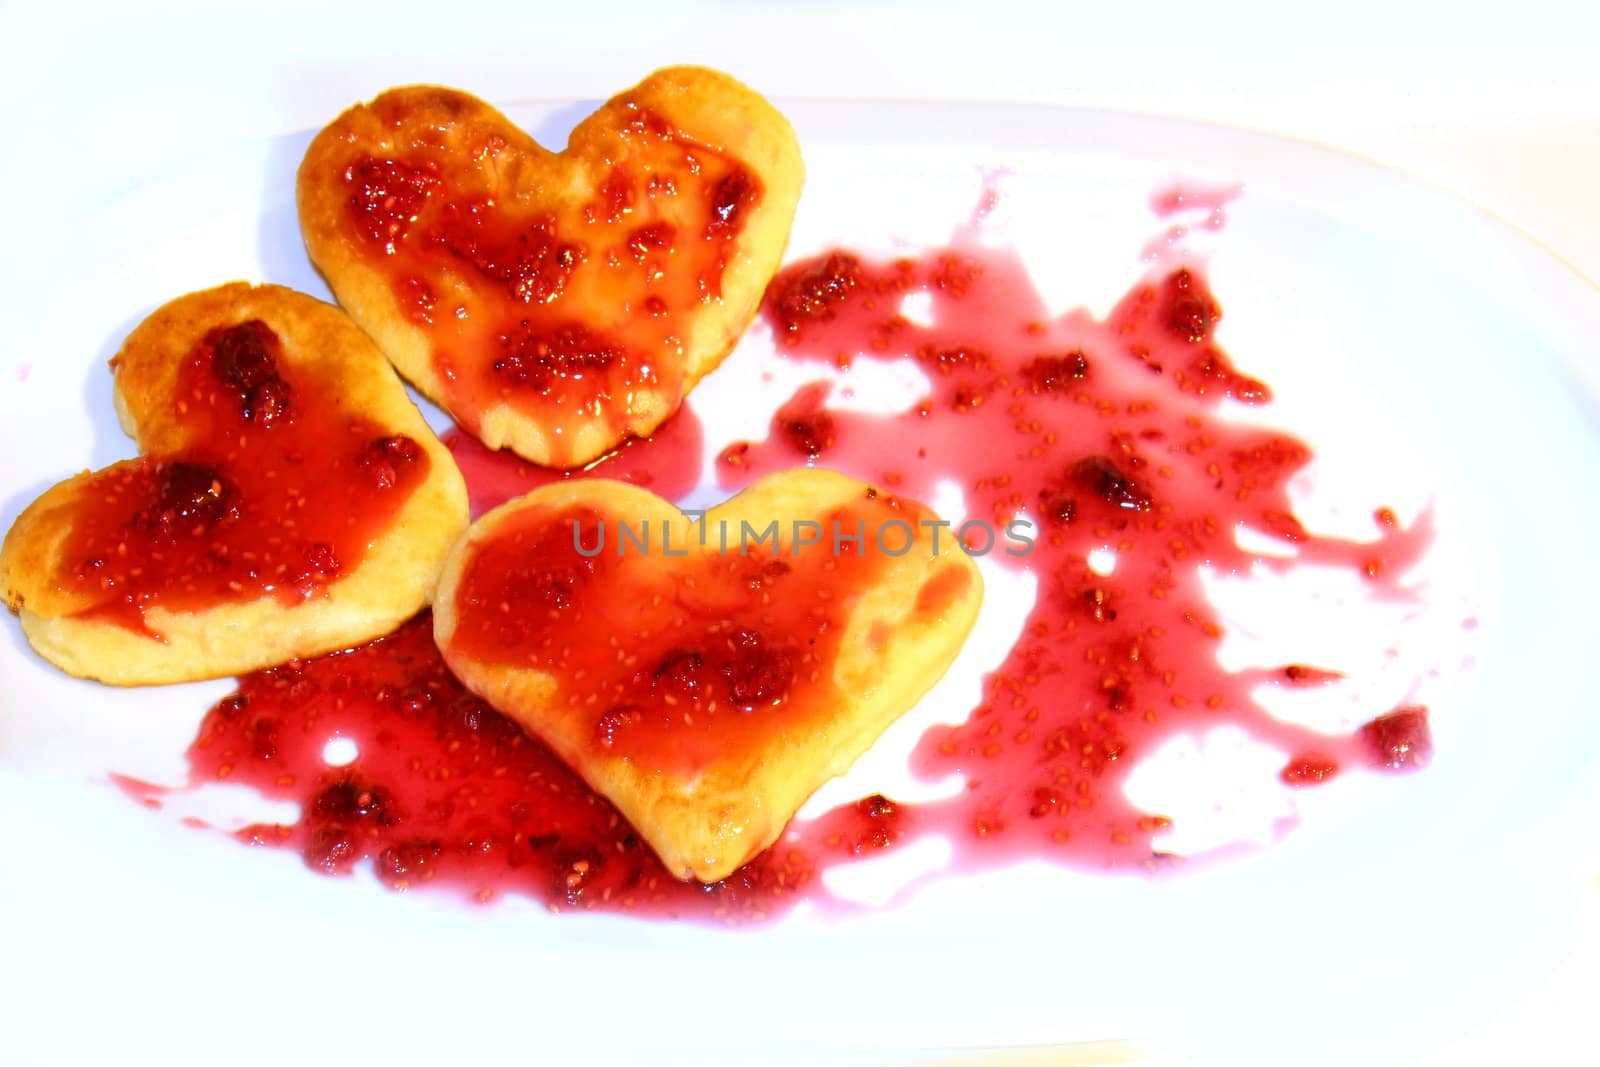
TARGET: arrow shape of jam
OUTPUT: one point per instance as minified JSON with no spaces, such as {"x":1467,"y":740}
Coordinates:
{"x":289,"y":500}
{"x":706,"y":674}
{"x":554,"y":303}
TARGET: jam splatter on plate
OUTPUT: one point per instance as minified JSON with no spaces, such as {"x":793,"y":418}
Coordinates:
{"x":1109,"y":451}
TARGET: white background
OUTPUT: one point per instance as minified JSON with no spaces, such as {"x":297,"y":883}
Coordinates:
{"x":1499,"y":104}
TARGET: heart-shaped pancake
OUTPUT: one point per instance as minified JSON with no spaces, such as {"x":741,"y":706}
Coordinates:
{"x":706,"y":676}
{"x":554,"y":303}
{"x":289,"y":500}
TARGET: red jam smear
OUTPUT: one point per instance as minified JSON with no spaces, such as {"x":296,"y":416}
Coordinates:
{"x":667,"y":463}
{"x":1188,"y":196}
{"x":1400,"y":740}
{"x":1106,"y":434}
{"x":1198,"y":205}
{"x":444,"y":791}
{"x":726,"y":654}
{"x":277,"y":492}
{"x":564,"y":314}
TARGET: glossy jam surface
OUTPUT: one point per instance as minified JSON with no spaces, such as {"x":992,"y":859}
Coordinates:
{"x":1110,"y":437}
{"x":691,"y":657}
{"x":667,"y":463}
{"x":564,"y":309}
{"x":277,"y":491}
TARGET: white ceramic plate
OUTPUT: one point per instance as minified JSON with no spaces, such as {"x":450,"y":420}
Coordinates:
{"x":1426,"y":352}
